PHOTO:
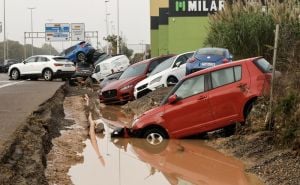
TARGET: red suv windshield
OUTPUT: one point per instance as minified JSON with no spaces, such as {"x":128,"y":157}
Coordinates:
{"x":134,"y":70}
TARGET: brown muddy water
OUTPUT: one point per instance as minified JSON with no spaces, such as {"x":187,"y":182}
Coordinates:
{"x":120,"y":161}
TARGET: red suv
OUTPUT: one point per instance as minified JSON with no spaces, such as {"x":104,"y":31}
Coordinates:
{"x":122,"y":89}
{"x":206,"y":100}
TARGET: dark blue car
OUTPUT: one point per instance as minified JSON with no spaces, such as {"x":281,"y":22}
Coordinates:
{"x":207,"y":57}
{"x":80,"y":52}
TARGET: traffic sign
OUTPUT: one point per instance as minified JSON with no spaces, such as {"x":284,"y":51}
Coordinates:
{"x":77,"y":32}
{"x":57,"y":31}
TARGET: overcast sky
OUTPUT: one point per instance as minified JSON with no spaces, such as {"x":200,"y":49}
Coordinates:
{"x":134,"y":17}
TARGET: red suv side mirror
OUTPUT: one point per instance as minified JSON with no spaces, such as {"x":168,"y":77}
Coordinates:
{"x":172,"y":99}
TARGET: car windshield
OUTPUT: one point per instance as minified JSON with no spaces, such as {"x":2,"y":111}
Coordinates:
{"x":163,"y":66}
{"x":211,"y":51}
{"x":134,"y":70}
{"x":102,"y":58}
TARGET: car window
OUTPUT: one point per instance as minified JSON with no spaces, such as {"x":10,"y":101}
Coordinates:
{"x":189,"y":55}
{"x":97,"y":69}
{"x":211,"y":51}
{"x":190,"y":87}
{"x":134,"y":70}
{"x":222,"y":77}
{"x":238,"y":73}
{"x":163,"y":66}
{"x":157,"y":62}
{"x":182,"y":59}
{"x":42,"y":59}
{"x":263,"y":65}
{"x":31,"y":59}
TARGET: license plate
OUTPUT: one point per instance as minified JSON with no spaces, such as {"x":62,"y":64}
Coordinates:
{"x":208,"y":64}
{"x":68,"y":65}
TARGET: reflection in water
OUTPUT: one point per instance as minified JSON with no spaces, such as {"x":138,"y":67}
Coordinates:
{"x":113,"y":115}
{"x":175,"y":162}
{"x":136,"y":162}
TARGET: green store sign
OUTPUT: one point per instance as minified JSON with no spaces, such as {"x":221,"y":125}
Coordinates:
{"x":182,"y":8}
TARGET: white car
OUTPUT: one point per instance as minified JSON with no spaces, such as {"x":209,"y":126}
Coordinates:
{"x":46,"y":66}
{"x":109,"y":66}
{"x":165,"y":74}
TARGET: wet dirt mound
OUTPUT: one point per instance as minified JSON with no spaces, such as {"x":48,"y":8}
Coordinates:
{"x":25,"y":161}
{"x":147,"y":102}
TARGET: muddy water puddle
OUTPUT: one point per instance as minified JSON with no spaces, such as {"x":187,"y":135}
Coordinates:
{"x":119,"y":161}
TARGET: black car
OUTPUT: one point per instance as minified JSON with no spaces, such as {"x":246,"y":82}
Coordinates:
{"x":4,"y":66}
{"x":83,"y":70}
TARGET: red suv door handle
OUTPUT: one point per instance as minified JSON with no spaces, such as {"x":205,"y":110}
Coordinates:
{"x":202,"y":97}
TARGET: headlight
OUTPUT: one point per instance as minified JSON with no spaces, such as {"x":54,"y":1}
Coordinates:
{"x":126,"y":87}
{"x":155,"y":80}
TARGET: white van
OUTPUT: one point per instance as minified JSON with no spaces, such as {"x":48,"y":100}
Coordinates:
{"x":109,"y":66}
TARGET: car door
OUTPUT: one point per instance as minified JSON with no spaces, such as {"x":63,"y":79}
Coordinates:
{"x":230,"y":87}
{"x":192,"y":112}
{"x":28,"y":67}
{"x":179,"y":66}
{"x":40,"y":64}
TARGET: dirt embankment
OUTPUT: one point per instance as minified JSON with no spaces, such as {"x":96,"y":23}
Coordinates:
{"x":25,"y":161}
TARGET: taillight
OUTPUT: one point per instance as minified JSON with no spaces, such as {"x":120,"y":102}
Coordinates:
{"x":55,"y":64}
{"x":191,"y":60}
{"x":225,"y":61}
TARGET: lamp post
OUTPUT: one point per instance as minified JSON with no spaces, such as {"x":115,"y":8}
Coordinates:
{"x":31,"y":9}
{"x":50,"y":47}
{"x":106,"y":21}
{"x":4,"y":32}
{"x":118,"y":28}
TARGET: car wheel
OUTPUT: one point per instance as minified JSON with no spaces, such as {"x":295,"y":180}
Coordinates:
{"x":80,"y":56}
{"x":48,"y":75}
{"x":15,"y":74}
{"x":229,"y":130}
{"x":156,"y":140}
{"x":171,"y":81}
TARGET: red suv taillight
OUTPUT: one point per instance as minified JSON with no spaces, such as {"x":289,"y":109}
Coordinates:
{"x":191,"y":60}
{"x":225,"y":60}
{"x":58,"y":64}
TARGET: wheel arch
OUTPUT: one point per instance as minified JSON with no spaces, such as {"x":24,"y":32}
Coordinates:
{"x":249,"y":102}
{"x":13,"y":69}
{"x":47,"y":68}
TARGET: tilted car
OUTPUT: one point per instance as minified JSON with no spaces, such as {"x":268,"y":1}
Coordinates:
{"x":46,"y":66}
{"x":207,"y":57}
{"x":122,"y":90}
{"x":207,"y":100}
{"x":80,"y":52}
{"x":165,"y":74}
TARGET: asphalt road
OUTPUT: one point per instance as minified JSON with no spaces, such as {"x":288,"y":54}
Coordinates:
{"x":18,"y":99}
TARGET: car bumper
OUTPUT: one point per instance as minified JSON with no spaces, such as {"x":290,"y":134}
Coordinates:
{"x":121,"y":97}
{"x":64,"y":74}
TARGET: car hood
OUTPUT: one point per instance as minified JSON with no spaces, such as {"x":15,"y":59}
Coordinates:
{"x":121,"y":83}
{"x":16,"y":65}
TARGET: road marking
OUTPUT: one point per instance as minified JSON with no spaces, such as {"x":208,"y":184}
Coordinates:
{"x":10,"y":84}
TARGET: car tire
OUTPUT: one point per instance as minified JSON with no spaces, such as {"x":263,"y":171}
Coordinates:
{"x":48,"y":75}
{"x":229,"y":130}
{"x":155,"y":138}
{"x":171,"y":81}
{"x":80,"y":56}
{"x":15,"y":74}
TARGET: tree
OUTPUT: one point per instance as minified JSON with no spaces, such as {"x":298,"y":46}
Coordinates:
{"x":112,"y":39}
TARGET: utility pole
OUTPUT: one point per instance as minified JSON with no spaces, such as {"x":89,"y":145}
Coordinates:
{"x":4,"y":32}
{"x":32,"y":8}
{"x":50,"y":47}
{"x":118,"y":28}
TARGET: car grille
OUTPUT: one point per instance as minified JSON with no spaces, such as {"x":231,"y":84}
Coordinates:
{"x":142,"y":87}
{"x":109,"y":94}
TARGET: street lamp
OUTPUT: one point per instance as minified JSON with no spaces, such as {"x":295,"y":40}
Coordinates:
{"x":106,"y":20}
{"x":50,"y":47}
{"x":118,"y":28}
{"x":4,"y":32}
{"x":32,"y":8}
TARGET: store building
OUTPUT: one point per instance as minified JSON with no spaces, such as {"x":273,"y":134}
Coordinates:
{"x":178,"y":26}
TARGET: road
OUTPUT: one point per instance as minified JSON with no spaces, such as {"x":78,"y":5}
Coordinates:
{"x":18,"y":99}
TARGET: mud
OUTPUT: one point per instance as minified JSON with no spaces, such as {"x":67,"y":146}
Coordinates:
{"x":25,"y":161}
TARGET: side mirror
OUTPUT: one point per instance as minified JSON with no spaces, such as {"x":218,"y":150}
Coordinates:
{"x":24,"y":62}
{"x":172,"y":99}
